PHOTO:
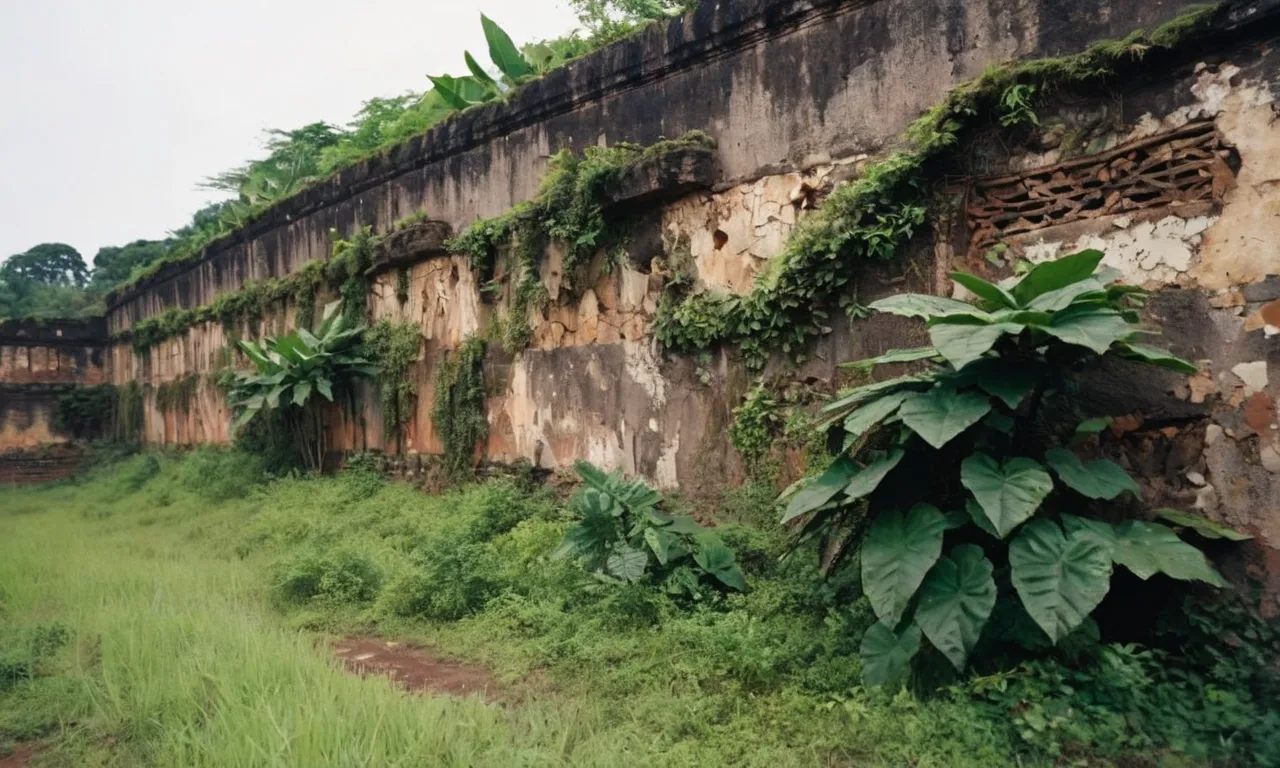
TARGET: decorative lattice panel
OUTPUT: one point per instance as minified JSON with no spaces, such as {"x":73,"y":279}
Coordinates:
{"x":1182,"y":166}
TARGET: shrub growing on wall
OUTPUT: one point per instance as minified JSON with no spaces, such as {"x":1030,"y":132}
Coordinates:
{"x":971,"y":506}
{"x":292,"y":372}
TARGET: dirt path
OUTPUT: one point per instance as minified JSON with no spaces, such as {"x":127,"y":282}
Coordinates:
{"x":413,"y":668}
{"x":20,"y":757}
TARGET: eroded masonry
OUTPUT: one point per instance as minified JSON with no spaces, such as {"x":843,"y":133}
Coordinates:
{"x":1168,"y":164}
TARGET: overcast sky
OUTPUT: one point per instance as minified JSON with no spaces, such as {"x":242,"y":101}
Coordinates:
{"x":112,"y":111}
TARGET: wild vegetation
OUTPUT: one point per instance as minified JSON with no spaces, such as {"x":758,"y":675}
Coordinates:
{"x":175,"y":610}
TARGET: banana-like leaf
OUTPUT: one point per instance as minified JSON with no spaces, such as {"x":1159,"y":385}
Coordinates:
{"x":1056,"y":274}
{"x":301,"y":392}
{"x":873,"y":413}
{"x":1095,"y":329}
{"x":450,"y":91}
{"x":503,"y":52}
{"x":817,"y":492}
{"x":480,"y":75}
{"x":963,"y":344}
{"x":926,"y":307}
{"x":894,"y":356}
{"x":986,"y":291}
{"x":1157,"y":357}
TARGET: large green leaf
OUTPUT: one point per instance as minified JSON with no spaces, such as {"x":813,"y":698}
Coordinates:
{"x":924,"y":306}
{"x":870,"y":476}
{"x":1009,"y":380}
{"x":503,"y":52}
{"x":955,"y":601}
{"x":628,"y":564}
{"x":450,"y":92}
{"x":984,"y":290}
{"x":1157,"y":357}
{"x":1101,"y":479}
{"x":1096,"y":329}
{"x":660,"y":542}
{"x":1056,"y":274}
{"x":886,"y":656}
{"x":873,"y":413}
{"x":849,"y":399}
{"x":1008,"y":493}
{"x":718,"y":560}
{"x":478,"y":72}
{"x":1052,"y":301}
{"x":962,"y":344}
{"x":301,"y":392}
{"x":1060,"y":579}
{"x":1201,"y":525}
{"x":822,"y":489}
{"x":896,"y":554}
{"x":941,"y":414}
{"x":1147,"y":549}
{"x":974,"y":512}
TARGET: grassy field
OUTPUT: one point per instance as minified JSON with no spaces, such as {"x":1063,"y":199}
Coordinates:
{"x":162,"y":612}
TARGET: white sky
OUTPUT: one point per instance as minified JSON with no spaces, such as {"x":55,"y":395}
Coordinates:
{"x":112,"y":111}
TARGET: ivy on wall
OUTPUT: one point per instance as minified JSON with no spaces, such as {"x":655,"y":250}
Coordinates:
{"x":458,"y":410}
{"x":871,"y":218}
{"x":175,"y":396}
{"x":394,"y":348}
{"x":570,"y":210}
{"x":85,"y":412}
{"x":127,"y":415}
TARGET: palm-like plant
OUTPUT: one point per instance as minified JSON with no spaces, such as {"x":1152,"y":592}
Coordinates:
{"x":291,"y":370}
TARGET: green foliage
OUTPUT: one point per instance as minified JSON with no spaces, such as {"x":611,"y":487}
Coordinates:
{"x":609,"y":20}
{"x":458,"y":410}
{"x":755,"y":423}
{"x":128,"y":414}
{"x":292,"y":372}
{"x":869,"y":219}
{"x":393,"y":348}
{"x":571,"y":210}
{"x":85,"y":412}
{"x":175,"y":396}
{"x":624,"y":536}
{"x":969,"y":434}
{"x":25,"y":652}
{"x":349,"y":270}
{"x":334,"y":577}
{"x":217,"y":474}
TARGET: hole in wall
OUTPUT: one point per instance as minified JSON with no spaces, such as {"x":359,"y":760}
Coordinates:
{"x":720,"y":239}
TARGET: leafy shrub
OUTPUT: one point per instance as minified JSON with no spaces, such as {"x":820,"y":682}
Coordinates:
{"x":337,"y":577}
{"x":971,"y":435}
{"x":449,"y":579}
{"x":25,"y":651}
{"x":623,"y":536}
{"x":364,"y":475}
{"x":219,"y":474}
{"x":140,"y":473}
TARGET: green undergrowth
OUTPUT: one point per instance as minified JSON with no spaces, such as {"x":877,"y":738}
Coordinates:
{"x":155,"y":613}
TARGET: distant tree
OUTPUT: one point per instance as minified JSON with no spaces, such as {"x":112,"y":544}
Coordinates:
{"x":114,"y":264}
{"x":46,"y":264}
{"x":608,"y":20}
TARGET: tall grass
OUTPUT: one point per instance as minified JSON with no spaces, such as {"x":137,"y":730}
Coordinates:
{"x":196,"y":601}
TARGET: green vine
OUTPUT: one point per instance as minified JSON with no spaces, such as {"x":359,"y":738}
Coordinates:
{"x":394,"y":347}
{"x":175,"y":396}
{"x":128,"y":413}
{"x":85,"y":412}
{"x":871,"y":218}
{"x":349,"y":270}
{"x":402,"y":286}
{"x":753,"y":431}
{"x":458,"y":411}
{"x":571,"y":210}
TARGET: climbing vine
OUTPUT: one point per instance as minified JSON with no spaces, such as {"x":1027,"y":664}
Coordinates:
{"x":349,"y":271}
{"x":402,"y":285}
{"x":393,"y":347}
{"x":570,"y":210}
{"x":175,"y":396}
{"x":127,"y":415}
{"x":871,"y":218}
{"x":85,"y":412}
{"x":458,"y":411}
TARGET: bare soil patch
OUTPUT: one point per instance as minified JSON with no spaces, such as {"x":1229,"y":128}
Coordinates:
{"x":414,"y":668}
{"x":21,"y":756}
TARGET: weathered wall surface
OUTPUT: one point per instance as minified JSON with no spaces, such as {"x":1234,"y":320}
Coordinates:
{"x":39,"y":360}
{"x":1174,"y":176}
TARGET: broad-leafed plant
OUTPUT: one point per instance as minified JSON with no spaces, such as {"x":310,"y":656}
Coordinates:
{"x":973,"y":489}
{"x":624,"y":535}
{"x":292,"y":372}
{"x":515,"y":66}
